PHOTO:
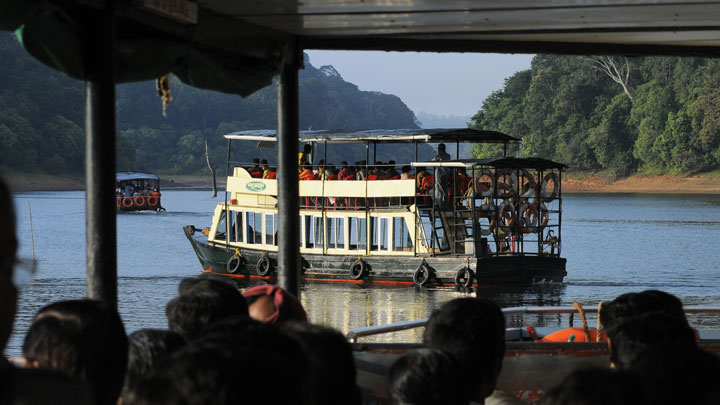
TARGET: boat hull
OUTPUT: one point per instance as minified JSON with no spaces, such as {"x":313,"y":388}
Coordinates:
{"x":139,"y":203}
{"x":389,"y":270}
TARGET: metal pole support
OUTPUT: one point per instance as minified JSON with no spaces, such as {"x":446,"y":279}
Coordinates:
{"x":288,"y":187}
{"x":100,"y":128}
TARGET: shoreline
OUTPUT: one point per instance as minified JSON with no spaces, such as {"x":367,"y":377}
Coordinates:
{"x":573,"y":183}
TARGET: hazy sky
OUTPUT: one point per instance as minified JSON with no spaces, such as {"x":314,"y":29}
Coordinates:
{"x":437,"y":83}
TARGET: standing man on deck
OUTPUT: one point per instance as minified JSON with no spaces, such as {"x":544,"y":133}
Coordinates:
{"x":442,"y":178}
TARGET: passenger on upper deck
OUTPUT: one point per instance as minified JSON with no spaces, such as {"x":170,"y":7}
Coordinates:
{"x":307,"y":173}
{"x":360,"y":170}
{"x":304,"y":156}
{"x":406,"y":175}
{"x":255,"y":171}
{"x":420,"y":177}
{"x":344,"y":170}
{"x":391,"y":171}
{"x":442,"y":178}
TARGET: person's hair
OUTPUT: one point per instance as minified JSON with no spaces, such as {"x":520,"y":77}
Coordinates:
{"x":426,"y":376}
{"x":213,"y":374}
{"x":406,"y":169}
{"x":344,"y":164}
{"x":391,"y":162}
{"x":637,"y":303}
{"x":472,"y":330}
{"x":676,"y":376}
{"x":264,"y":162}
{"x":596,"y":386}
{"x":441,"y":147}
{"x":202,"y":301}
{"x":256,"y":160}
{"x":146,"y":348}
{"x":84,"y":339}
{"x":307,"y":148}
{"x":331,"y":366}
{"x":636,"y":335}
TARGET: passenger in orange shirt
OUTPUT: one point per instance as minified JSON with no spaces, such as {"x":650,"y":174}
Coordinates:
{"x":307,"y":173}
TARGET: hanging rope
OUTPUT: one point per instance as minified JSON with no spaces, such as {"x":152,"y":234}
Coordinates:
{"x":162,"y":84}
{"x":583,"y":319}
{"x":599,"y":324}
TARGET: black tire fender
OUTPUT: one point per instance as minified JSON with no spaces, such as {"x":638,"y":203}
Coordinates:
{"x":358,"y":269}
{"x":423,"y":275}
{"x":464,"y":277}
{"x":264,"y":266}
{"x":234,"y":263}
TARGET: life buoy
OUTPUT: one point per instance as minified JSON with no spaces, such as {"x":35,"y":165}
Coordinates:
{"x":127,"y":202}
{"x":264,"y":266}
{"x":117,"y":201}
{"x":422,"y":275}
{"x":464,"y":277}
{"x":481,"y":187}
{"x":152,"y":201}
{"x":507,"y":215}
{"x":529,"y":218}
{"x":544,"y":194}
{"x":509,"y":190}
{"x":358,"y":269}
{"x":233,"y":264}
{"x":529,"y":187}
{"x":139,"y":201}
{"x":574,"y":335}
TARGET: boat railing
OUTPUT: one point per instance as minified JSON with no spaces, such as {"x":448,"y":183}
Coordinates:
{"x":354,"y":334}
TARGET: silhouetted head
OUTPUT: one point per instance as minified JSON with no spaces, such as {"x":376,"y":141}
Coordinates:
{"x":331,"y":366}
{"x":597,"y":386}
{"x":426,"y":376}
{"x":307,"y":148}
{"x":202,"y":301}
{"x":84,"y":339}
{"x":637,"y":303}
{"x":441,"y":147}
{"x":473,"y":331}
{"x":146,"y":348}
{"x":8,"y":250}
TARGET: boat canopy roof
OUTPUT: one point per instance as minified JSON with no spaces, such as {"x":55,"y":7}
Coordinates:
{"x":501,"y":162}
{"x":437,"y":135}
{"x":125,"y":176}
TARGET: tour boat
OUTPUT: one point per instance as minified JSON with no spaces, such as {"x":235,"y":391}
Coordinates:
{"x":136,"y":191}
{"x":500,"y":221}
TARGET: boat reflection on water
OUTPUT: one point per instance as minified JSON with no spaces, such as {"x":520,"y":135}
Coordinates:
{"x":345,"y":307}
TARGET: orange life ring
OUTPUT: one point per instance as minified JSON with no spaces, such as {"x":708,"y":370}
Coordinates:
{"x":152,"y":201}
{"x":579,"y":335}
{"x":117,"y":201}
{"x":484,"y":188}
{"x":529,"y":218}
{"x":545,"y":195}
{"x":139,"y":201}
{"x":507,"y":215}
{"x":127,"y":202}
{"x":509,"y":190}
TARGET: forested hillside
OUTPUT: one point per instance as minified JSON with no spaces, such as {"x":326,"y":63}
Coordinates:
{"x":42,"y":114}
{"x":653,"y":114}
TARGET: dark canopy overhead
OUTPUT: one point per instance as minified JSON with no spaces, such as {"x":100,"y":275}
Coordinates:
{"x":238,"y":46}
{"x":384,"y":136}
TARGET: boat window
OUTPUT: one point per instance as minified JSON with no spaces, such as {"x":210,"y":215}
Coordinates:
{"x":271,"y":227}
{"x":238,"y":226}
{"x":402,"y":242}
{"x":358,"y":233}
{"x":221,"y":228}
{"x":254,"y":227}
{"x":313,"y":232}
{"x":335,"y":228}
{"x":318,"y":228}
{"x":379,"y":231}
{"x":231,"y":227}
{"x":307,"y":232}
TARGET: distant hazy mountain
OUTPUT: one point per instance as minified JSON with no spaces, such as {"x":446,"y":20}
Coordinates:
{"x":429,"y":120}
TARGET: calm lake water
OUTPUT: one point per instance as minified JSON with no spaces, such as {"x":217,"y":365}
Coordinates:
{"x":613,"y":243}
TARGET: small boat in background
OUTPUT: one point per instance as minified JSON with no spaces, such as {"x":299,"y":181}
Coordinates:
{"x":135,"y":191}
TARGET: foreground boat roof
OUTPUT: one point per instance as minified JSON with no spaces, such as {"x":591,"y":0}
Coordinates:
{"x":501,"y":162}
{"x":437,"y":135}
{"x":124,"y":176}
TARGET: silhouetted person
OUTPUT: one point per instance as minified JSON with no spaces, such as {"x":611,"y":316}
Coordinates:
{"x":442,"y":178}
{"x":146,"y":348}
{"x":202,"y":301}
{"x":25,"y":386}
{"x":331,"y":366}
{"x":84,"y":339}
{"x":426,"y":377}
{"x":637,"y":303}
{"x":472,"y":330}
{"x":597,"y":386}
